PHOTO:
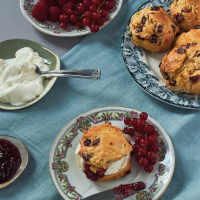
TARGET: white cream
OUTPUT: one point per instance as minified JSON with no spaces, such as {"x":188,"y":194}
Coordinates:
{"x":112,"y":169}
{"x":19,"y":82}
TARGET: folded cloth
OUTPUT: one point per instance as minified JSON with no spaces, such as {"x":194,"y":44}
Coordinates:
{"x":38,"y":125}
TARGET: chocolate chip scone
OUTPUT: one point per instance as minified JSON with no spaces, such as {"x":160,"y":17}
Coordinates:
{"x":153,"y":29}
{"x":188,"y":37}
{"x":185,"y":14}
{"x":103,"y":153}
{"x":181,"y":68}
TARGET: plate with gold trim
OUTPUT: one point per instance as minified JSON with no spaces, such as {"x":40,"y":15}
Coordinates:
{"x":71,"y":182}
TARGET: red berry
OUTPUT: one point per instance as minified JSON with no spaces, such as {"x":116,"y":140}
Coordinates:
{"x":64,"y":18}
{"x":140,"y":131}
{"x":137,"y":139}
{"x":142,"y":151}
{"x":94,"y":28}
{"x":70,"y":11}
{"x":88,"y":14}
{"x":144,"y":143}
{"x":96,"y":16}
{"x":100,"y":22}
{"x":104,"y":14}
{"x":135,"y":147}
{"x":77,"y":13}
{"x":149,"y":129}
{"x":40,"y":11}
{"x":86,"y":22}
{"x":150,"y":155}
{"x":152,"y":161}
{"x":140,"y":123}
{"x":152,"y":139}
{"x":79,"y":24}
{"x":73,"y":19}
{"x":127,"y":119}
{"x":148,"y":168}
{"x":86,"y":3}
{"x":67,"y":6}
{"x":62,"y":3}
{"x":93,"y":8}
{"x":153,"y":148}
{"x":81,"y":9}
{"x":130,"y":131}
{"x":54,"y":13}
{"x":133,"y":122}
{"x":63,"y":25}
{"x":143,"y":116}
{"x":155,"y":133}
{"x":109,"y":5}
{"x":96,"y":2}
{"x":143,"y":162}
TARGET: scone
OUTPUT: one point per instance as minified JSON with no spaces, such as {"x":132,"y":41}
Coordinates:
{"x":185,"y":14}
{"x":188,"y":37}
{"x":153,"y":29}
{"x":103,"y":153}
{"x":181,"y":68}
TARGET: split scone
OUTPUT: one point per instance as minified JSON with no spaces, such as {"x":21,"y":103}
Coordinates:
{"x":103,"y":153}
{"x":185,"y":14}
{"x":181,"y":68}
{"x":153,"y":29}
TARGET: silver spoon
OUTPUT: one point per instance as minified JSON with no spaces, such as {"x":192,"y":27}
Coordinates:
{"x":87,"y":73}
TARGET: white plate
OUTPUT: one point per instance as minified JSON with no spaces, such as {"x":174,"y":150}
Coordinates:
{"x":72,"y":183}
{"x":53,"y":28}
{"x":143,"y":66}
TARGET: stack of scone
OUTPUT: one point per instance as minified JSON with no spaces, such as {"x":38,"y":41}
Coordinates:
{"x":103,"y":153}
{"x":151,"y":29}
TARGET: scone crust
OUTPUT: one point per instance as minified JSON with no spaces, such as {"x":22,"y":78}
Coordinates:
{"x":113,"y":145}
{"x":185,"y":14}
{"x":156,"y":23}
{"x":181,"y":68}
{"x":123,"y":172}
{"x":188,"y":37}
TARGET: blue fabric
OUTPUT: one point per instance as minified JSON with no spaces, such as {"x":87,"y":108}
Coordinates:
{"x":39,"y":124}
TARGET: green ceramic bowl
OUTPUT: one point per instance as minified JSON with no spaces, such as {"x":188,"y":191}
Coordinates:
{"x":7,"y":51}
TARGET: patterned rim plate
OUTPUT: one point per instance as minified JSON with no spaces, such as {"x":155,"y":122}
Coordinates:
{"x":53,"y":28}
{"x":72,"y":183}
{"x":143,"y":66}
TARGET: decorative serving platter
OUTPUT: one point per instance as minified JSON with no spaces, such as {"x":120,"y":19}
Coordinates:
{"x":72,"y":183}
{"x":143,"y":66}
{"x":53,"y":28}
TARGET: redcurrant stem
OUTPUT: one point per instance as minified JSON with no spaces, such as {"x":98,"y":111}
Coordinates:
{"x":100,"y":5}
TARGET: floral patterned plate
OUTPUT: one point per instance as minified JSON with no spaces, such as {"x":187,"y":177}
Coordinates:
{"x":72,"y":183}
{"x":143,"y":66}
{"x":53,"y":28}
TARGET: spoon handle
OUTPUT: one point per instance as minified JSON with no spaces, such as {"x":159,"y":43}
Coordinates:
{"x":87,"y":73}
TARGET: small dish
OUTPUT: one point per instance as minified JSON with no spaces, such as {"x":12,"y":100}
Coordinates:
{"x":7,"y":51}
{"x":53,"y":28}
{"x":24,"y":156}
{"x":71,"y":182}
{"x":143,"y":67}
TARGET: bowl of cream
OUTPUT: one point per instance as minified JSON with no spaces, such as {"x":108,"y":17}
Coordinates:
{"x":20,"y":85}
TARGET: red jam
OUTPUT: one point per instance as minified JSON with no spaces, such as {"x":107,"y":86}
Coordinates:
{"x":10,"y":160}
{"x":124,"y":191}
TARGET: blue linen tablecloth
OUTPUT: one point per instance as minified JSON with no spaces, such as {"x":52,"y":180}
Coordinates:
{"x":38,"y":125}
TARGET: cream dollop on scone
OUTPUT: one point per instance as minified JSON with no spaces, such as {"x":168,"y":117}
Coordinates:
{"x":103,"y":153}
{"x":181,"y":68}
{"x":153,"y":29}
{"x":188,"y":37}
{"x":185,"y":13}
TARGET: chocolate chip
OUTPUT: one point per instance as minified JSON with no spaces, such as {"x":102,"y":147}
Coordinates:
{"x":179,"y":17}
{"x":194,"y":79}
{"x":87,"y":142}
{"x":197,"y":27}
{"x":138,"y":30}
{"x":172,"y":82}
{"x":130,"y":35}
{"x":153,"y":39}
{"x":173,"y":27}
{"x":159,"y":28}
{"x":156,"y":8}
{"x":85,"y":156}
{"x":143,"y":20}
{"x":96,"y":142}
{"x":180,"y":50}
{"x":198,"y":54}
